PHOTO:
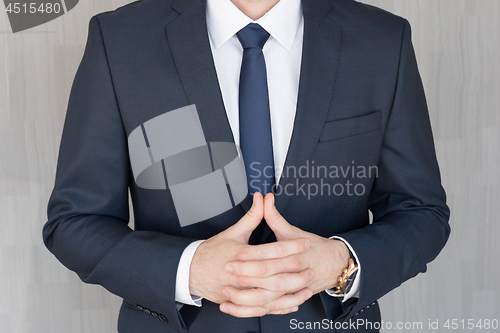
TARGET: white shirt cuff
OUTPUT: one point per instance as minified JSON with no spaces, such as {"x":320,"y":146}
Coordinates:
{"x":354,"y":292}
{"x":182,"y":294}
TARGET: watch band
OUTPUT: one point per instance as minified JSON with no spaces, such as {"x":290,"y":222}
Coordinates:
{"x":346,"y":280}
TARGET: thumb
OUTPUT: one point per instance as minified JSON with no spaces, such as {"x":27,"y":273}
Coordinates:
{"x":246,"y":225}
{"x":282,"y":229}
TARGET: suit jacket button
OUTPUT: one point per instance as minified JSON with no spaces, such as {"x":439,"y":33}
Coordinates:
{"x":163,"y":319}
{"x":139,"y":307}
{"x":146,"y":310}
{"x":154,"y":314}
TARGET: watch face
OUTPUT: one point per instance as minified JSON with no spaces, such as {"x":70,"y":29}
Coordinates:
{"x":349,"y":282}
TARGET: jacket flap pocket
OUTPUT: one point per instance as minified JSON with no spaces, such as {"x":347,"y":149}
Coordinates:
{"x":343,"y":128}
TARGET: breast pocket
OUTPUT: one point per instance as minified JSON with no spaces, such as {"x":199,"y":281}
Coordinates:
{"x":343,"y":128}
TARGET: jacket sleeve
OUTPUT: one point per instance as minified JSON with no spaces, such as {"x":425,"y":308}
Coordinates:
{"x":410,"y":215}
{"x":87,"y":227}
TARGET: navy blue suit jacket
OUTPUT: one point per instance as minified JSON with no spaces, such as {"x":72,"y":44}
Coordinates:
{"x":360,"y":99}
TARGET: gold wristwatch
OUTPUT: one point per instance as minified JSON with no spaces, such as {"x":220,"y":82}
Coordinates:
{"x":346,"y":280}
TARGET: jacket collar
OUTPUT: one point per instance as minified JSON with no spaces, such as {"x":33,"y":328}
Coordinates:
{"x":282,"y":22}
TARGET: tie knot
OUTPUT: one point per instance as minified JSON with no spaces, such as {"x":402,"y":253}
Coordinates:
{"x":253,"y":35}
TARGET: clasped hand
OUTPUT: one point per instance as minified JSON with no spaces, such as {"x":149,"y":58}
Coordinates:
{"x":274,"y":278}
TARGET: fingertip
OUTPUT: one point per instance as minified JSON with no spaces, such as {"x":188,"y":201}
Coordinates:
{"x":224,"y":308}
{"x":256,"y":211}
{"x":269,"y":203}
{"x":307,"y":244}
{"x":257,"y":198}
{"x":229,"y":268}
{"x":270,"y":198}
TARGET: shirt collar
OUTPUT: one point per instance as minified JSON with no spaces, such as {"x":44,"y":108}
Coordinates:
{"x":224,"y":20}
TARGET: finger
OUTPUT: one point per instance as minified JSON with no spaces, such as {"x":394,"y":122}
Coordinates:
{"x":247,"y":224}
{"x":265,"y":268}
{"x":276,"y":222}
{"x":282,"y":305}
{"x":249,"y":311}
{"x":242,"y":311}
{"x":281,"y":283}
{"x":290,"y":300}
{"x":286,"y":311}
{"x":274,"y":250}
{"x":255,"y":297}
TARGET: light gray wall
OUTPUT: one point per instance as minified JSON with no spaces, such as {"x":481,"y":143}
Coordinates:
{"x":458,"y":49}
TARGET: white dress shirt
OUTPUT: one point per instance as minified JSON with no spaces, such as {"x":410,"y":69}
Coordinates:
{"x":283,"y":54}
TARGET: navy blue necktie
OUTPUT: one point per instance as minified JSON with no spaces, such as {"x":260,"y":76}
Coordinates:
{"x":255,"y":118}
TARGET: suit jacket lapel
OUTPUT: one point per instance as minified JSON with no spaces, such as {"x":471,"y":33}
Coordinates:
{"x":320,"y":55}
{"x":188,"y":39}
